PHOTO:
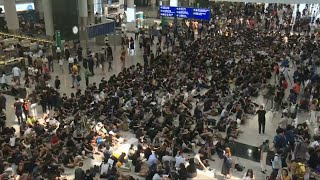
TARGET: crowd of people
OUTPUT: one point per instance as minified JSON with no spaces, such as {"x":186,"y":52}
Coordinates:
{"x":177,"y":104}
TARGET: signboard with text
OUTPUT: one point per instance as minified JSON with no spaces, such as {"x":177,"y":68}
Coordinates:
{"x":167,"y":11}
{"x":203,"y":14}
{"x":185,"y":12}
{"x":101,"y":29}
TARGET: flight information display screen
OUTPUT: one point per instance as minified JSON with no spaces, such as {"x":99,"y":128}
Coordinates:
{"x":185,"y":12}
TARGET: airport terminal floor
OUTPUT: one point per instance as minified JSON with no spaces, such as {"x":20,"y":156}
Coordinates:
{"x":249,"y":137}
{"x":236,"y":98}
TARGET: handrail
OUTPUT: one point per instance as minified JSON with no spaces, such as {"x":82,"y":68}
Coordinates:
{"x":26,"y":37}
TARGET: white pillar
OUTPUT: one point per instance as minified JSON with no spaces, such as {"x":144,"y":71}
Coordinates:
{"x":130,"y":3}
{"x":90,"y":10}
{"x":11,"y":15}
{"x":174,"y":3}
{"x":83,"y":14}
{"x":38,"y":7}
{"x":48,"y":19}
{"x":153,"y":3}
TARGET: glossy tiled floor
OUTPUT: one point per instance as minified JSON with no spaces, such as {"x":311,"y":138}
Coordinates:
{"x":250,"y":135}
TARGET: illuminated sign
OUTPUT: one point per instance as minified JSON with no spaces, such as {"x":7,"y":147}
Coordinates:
{"x":185,"y":12}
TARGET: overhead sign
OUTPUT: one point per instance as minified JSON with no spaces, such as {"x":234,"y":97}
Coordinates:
{"x":203,"y":14}
{"x":101,"y":29}
{"x":167,"y":11}
{"x":182,"y":12}
{"x":185,"y":12}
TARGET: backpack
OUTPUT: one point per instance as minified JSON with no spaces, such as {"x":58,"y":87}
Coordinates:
{"x":301,"y":170}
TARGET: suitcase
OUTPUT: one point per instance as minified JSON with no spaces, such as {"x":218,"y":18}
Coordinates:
{"x":238,"y":165}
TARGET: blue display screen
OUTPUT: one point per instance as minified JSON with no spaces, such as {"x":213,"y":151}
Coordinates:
{"x":182,"y":12}
{"x":203,"y":14}
{"x":100,"y":29}
{"x":185,"y":12}
{"x":167,"y":11}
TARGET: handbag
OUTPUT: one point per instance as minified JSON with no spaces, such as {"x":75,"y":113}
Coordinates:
{"x":79,"y":78}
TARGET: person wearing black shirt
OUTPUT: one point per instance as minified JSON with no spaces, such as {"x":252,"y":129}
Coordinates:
{"x":90,"y":64}
{"x":88,"y":149}
{"x":3,"y":101}
{"x":151,"y":58}
{"x":79,"y":174}
{"x":44,"y":101}
{"x":191,"y":169}
{"x":50,"y":63}
{"x":79,"y":53}
{"x":261,"y":119}
{"x":88,"y":176}
{"x":18,"y":110}
{"x":182,"y":172}
{"x":57,"y":83}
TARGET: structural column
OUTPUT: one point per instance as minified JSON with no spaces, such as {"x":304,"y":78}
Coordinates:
{"x":83,"y":14}
{"x":174,"y":3}
{"x":131,"y":25}
{"x":130,"y":3}
{"x":90,"y":11}
{"x":153,"y":3}
{"x":48,"y":19}
{"x":11,"y":16}
{"x":38,"y":8}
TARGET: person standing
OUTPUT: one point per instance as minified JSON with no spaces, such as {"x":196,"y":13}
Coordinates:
{"x":91,"y":64}
{"x":110,"y":60}
{"x":145,"y":57}
{"x":131,"y":46}
{"x":86,"y":76}
{"x":261,"y":119}
{"x":151,"y":58}
{"x":16,"y":74}
{"x":158,"y":49}
{"x":44,"y":101}
{"x":313,"y":112}
{"x":277,"y":162}
{"x":60,"y":61}
{"x":123,"y":57}
{"x":50,"y":63}
{"x":136,"y":33}
{"x":75,"y":76}
{"x":71,"y":62}
{"x":3,"y":102}
{"x":264,"y":149}
{"x":4,"y":81}
{"x":66,"y":52}
{"x":57,"y":82}
{"x":18,"y":110}
{"x":227,"y":163}
{"x":79,"y":53}
{"x":26,"y":108}
{"x":79,"y":174}
{"x":141,"y":41}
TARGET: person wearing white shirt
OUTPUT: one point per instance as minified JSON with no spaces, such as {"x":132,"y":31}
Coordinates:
{"x":16,"y":74}
{"x":179,"y":160}
{"x":156,"y":176}
{"x":40,"y":53}
{"x":167,"y":157}
{"x":28,"y":132}
{"x":152,"y":159}
{"x":44,"y":60}
{"x":71,"y":61}
{"x":315,"y":144}
{"x":317,"y":131}
{"x":4,"y":81}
